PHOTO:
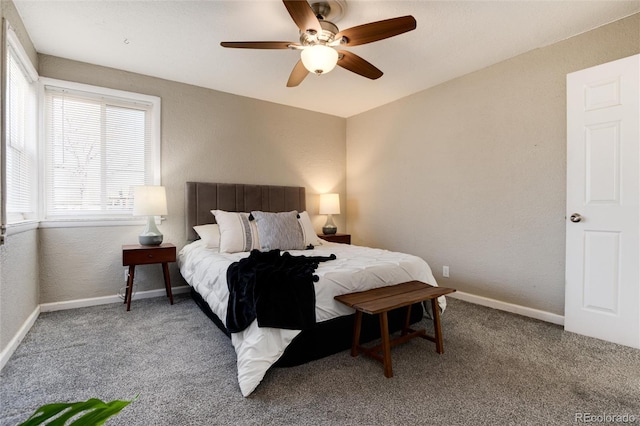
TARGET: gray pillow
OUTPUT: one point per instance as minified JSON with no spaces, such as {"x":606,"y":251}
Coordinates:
{"x":279,"y":230}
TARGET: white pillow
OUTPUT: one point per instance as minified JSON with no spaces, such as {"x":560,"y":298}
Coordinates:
{"x":210,"y":234}
{"x":279,"y":230}
{"x":237,"y":233}
{"x":309,"y":233}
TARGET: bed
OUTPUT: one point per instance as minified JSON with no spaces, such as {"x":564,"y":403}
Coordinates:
{"x":354,"y":268}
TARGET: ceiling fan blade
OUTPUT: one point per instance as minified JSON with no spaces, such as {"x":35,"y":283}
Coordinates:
{"x":375,"y":31}
{"x":356,"y":64}
{"x":258,"y":44}
{"x":303,"y":15}
{"x":297,"y":75}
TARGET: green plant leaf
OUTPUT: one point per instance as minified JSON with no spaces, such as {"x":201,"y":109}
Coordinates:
{"x":96,"y":412}
{"x":99,"y":416}
{"x":45,"y":413}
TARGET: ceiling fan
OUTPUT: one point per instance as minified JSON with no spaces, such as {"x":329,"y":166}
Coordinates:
{"x":319,"y":37}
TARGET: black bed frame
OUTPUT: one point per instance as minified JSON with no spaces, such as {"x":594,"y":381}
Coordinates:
{"x":328,"y":337}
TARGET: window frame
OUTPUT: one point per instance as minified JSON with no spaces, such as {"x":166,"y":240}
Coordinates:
{"x":14,"y":47}
{"x":101,"y":218}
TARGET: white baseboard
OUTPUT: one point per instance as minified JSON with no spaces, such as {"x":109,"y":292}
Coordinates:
{"x":104,"y":300}
{"x":509,"y":307}
{"x":6,"y":353}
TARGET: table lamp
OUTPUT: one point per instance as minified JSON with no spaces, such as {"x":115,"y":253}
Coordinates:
{"x":329,"y":205}
{"x":150,"y":201}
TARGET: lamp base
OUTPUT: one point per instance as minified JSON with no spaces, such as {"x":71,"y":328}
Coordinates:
{"x":151,"y":236}
{"x":150,"y":240}
{"x":327,"y":230}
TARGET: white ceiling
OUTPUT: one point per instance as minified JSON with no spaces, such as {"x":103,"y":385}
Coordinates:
{"x":180,"y":40}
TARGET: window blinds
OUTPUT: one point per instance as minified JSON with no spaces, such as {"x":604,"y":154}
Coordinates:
{"x":97,"y":149}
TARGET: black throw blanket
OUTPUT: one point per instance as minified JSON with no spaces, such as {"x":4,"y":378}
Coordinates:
{"x":276,"y":289}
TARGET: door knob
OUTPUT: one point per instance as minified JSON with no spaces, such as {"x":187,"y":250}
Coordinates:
{"x":575,"y":218}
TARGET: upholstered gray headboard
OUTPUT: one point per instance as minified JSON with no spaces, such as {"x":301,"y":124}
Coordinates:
{"x":203,"y":197}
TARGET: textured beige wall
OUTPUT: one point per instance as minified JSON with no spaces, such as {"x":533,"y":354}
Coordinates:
{"x":19,"y":254}
{"x":471,"y":173}
{"x":206,"y":136}
{"x":19,"y":276}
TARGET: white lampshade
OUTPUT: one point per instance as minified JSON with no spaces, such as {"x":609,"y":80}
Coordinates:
{"x":319,"y":59}
{"x":329,"y":204}
{"x":149,"y":201}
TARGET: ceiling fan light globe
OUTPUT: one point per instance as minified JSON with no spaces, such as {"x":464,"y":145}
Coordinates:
{"x":319,"y":59}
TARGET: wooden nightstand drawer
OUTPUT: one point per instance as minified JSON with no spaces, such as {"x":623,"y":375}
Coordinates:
{"x":337,"y":238}
{"x":141,"y":255}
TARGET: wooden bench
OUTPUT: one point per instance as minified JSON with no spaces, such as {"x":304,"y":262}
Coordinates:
{"x":384,"y":299}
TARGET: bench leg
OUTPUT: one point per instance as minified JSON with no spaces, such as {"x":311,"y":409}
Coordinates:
{"x":356,"y":333}
{"x":436,"y":325}
{"x":386,"y":345}
{"x":407,"y":321}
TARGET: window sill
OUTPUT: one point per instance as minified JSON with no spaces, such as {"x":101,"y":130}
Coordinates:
{"x":91,"y":223}
{"x":22,"y":226}
{"x":28,"y":225}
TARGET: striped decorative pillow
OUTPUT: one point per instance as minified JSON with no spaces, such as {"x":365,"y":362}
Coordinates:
{"x":237,"y":232}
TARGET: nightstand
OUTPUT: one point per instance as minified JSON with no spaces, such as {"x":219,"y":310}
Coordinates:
{"x":136,"y":254}
{"x":337,"y":238}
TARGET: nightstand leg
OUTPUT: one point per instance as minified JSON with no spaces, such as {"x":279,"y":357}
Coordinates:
{"x":128,"y":293}
{"x":167,"y":282}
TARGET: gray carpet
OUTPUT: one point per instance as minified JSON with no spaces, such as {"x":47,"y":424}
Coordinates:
{"x":498,"y":368}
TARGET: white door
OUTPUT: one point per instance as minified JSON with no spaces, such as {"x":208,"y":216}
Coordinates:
{"x":602,"y":294}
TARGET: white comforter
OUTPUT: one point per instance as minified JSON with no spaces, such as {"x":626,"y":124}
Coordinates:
{"x":355,"y":269}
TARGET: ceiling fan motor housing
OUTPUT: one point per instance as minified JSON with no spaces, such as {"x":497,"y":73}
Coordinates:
{"x":329,"y":10}
{"x":328,"y":34}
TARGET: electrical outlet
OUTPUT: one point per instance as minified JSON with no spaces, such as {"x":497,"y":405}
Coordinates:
{"x":445,"y":271}
{"x":126,"y":274}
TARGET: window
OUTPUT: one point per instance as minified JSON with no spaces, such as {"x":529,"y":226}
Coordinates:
{"x":21,"y":138}
{"x":99,"y":144}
